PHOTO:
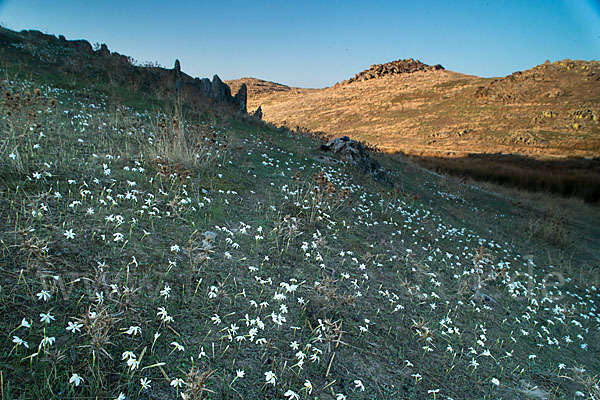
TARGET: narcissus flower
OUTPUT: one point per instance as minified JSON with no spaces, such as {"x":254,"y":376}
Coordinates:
{"x":76,"y":379}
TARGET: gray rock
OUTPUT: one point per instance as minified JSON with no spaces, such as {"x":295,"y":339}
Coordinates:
{"x":486,"y":298}
{"x":258,"y":113}
{"x":204,"y":86}
{"x":220,"y":92}
{"x":353,"y":152}
{"x":214,"y":92}
{"x":178,"y":82}
{"x":241,"y":97}
{"x":208,"y":240}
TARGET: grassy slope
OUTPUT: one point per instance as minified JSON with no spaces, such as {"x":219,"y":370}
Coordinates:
{"x":268,"y":266}
{"x":542,"y":111}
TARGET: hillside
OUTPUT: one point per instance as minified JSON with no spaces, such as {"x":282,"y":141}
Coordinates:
{"x":161,"y":248}
{"x":258,"y":87}
{"x":72,"y":63}
{"x":550,"y":110}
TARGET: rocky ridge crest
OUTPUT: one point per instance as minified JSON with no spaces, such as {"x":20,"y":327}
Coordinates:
{"x":79,"y":56}
{"x":406,"y":66}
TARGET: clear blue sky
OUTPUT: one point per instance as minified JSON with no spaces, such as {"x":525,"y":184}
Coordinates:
{"x":316,"y":43}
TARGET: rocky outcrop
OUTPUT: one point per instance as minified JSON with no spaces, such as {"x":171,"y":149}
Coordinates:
{"x":353,"y":152}
{"x":82,"y":45}
{"x":216,"y":90}
{"x":258,"y":113}
{"x":123,"y":70}
{"x":397,"y":67}
{"x":220,"y":92}
{"x":241,"y":97}
{"x":177,"y":71}
{"x":525,"y":138}
{"x":103,"y":51}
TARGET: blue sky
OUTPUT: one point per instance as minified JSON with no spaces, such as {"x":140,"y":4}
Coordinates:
{"x":318,"y":43}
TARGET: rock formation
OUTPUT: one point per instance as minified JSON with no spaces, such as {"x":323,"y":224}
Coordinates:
{"x":353,"y":152}
{"x":393,"y":68}
{"x":177,"y":71}
{"x":103,"y":51}
{"x":123,"y":70}
{"x":216,"y":90}
{"x":258,"y":113}
{"x":220,"y":92}
{"x":241,"y":97}
{"x":82,"y":45}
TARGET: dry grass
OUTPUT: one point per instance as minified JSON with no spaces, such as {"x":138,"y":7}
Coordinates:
{"x":579,"y":178}
{"x":179,"y":147}
{"x":552,"y":109}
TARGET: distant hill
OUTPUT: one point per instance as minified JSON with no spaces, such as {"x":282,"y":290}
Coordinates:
{"x":258,"y":89}
{"x":550,"y":110}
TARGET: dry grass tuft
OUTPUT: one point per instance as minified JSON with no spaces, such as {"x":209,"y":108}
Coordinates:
{"x":195,"y":382}
{"x":178,"y":147}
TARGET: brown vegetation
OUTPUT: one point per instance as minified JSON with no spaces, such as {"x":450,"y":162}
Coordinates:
{"x":568,"y":177}
{"x":550,"y":110}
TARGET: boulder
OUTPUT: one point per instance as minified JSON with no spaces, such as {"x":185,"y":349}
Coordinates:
{"x":353,"y":152}
{"x":177,"y":67}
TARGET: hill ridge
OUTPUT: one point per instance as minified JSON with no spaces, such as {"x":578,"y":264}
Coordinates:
{"x":397,"y":67}
{"x":552,"y":109}
{"x":98,"y":65}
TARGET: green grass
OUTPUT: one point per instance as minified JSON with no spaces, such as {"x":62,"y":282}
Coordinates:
{"x":276,"y":263}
